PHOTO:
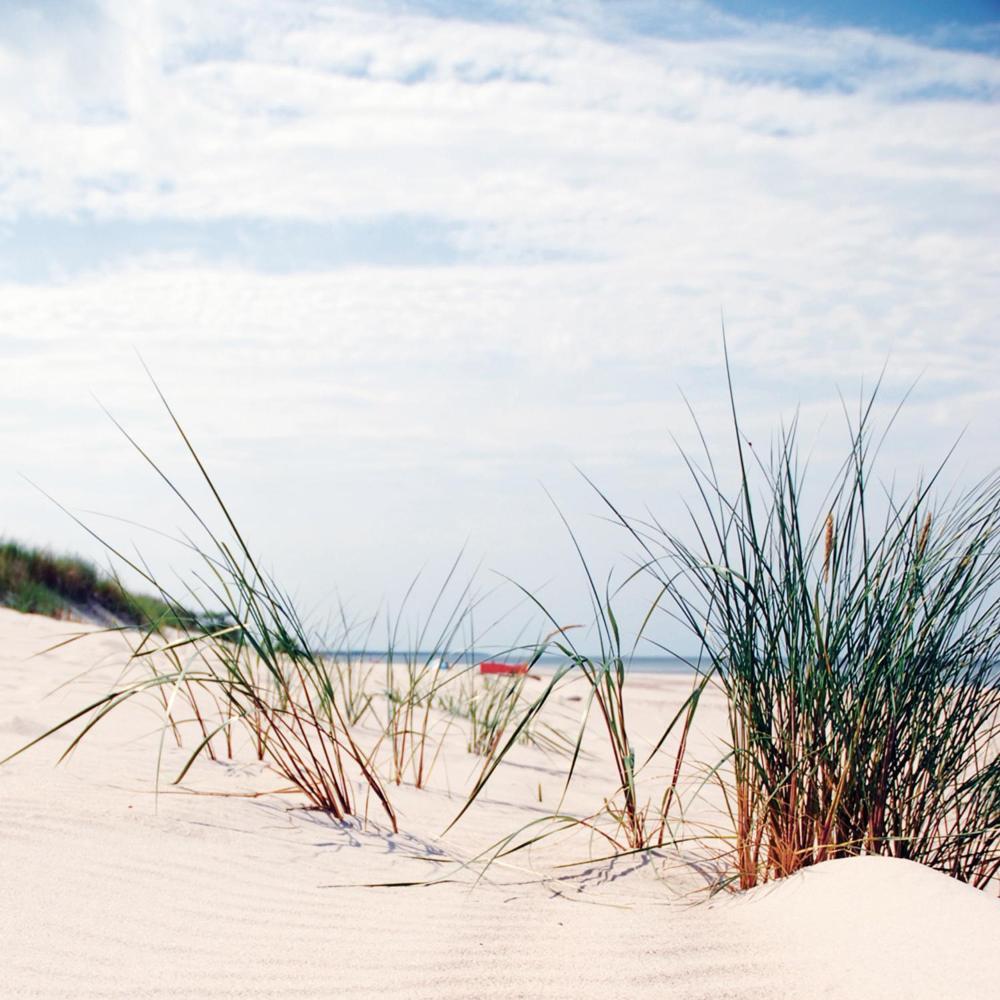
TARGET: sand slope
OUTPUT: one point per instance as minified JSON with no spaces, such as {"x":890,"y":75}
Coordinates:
{"x":110,"y":892}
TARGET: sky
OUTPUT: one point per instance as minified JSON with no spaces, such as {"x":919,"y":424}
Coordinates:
{"x":405,"y":269}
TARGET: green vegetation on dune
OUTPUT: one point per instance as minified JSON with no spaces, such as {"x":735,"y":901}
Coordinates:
{"x":856,"y":641}
{"x":36,"y":581}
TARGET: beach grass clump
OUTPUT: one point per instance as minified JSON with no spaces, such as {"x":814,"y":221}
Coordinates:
{"x":256,"y":669}
{"x":641,"y":811}
{"x":414,"y":680}
{"x":857,"y":641}
{"x":353,"y":664}
{"x":632,"y":816}
{"x":354,"y":679}
{"x":494,"y":706}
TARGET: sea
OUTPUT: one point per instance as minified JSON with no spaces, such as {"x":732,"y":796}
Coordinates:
{"x":545,"y":664}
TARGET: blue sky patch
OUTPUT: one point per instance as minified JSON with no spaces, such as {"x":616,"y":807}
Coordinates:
{"x":42,"y":248}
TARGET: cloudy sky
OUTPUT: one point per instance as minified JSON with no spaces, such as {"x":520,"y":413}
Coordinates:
{"x":399,"y":266}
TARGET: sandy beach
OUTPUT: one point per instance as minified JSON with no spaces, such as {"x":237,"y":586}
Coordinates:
{"x":225,"y":887}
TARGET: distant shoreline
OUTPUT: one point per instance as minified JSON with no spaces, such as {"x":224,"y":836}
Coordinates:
{"x":546,"y":663}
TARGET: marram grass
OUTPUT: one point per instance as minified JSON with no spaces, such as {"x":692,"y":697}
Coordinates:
{"x":857,"y":644}
{"x":258,"y":671}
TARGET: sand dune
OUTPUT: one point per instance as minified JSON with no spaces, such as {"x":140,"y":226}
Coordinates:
{"x":112,"y":891}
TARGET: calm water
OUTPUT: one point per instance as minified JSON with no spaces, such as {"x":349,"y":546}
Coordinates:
{"x":638,"y":664}
{"x":548,"y":663}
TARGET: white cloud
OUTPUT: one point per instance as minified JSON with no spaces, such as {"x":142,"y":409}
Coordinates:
{"x":607,"y":193}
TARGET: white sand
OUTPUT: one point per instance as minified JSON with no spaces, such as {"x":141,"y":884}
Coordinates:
{"x":108,"y":893}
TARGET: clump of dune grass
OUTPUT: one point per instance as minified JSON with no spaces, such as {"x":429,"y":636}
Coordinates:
{"x":353,"y":665}
{"x":857,"y":641}
{"x":258,"y":671}
{"x":640,"y":810}
{"x":413,"y":679}
{"x":489,"y":709}
{"x":493,"y":707}
{"x":631,"y":817}
{"x":430,"y":663}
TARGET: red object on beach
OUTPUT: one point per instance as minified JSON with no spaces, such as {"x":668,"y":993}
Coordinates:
{"x":496,"y":667}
